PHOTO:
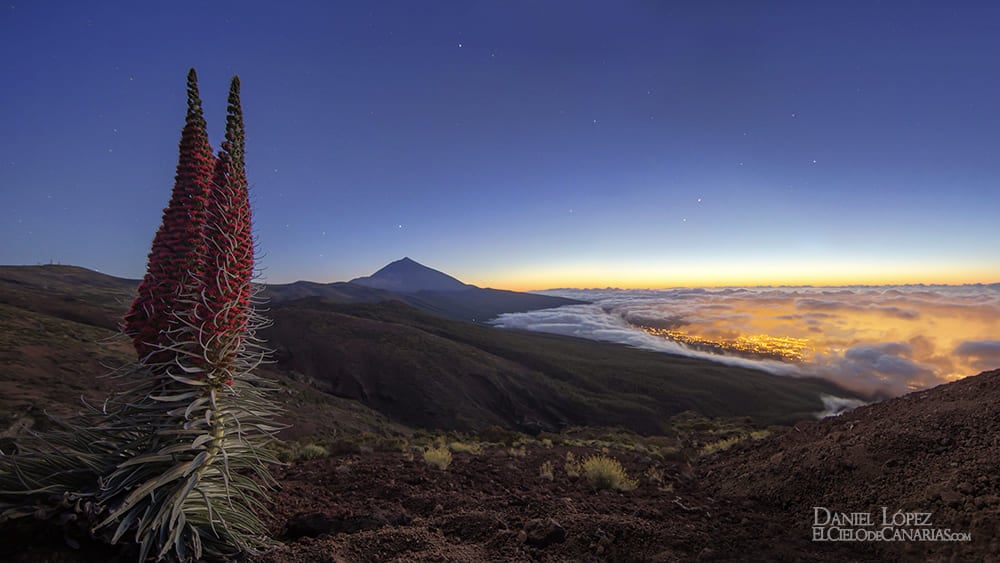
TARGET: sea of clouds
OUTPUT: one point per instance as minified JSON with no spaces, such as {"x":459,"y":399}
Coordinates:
{"x":883,"y":341}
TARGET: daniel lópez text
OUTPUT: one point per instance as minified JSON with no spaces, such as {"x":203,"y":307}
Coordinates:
{"x":884,"y":524}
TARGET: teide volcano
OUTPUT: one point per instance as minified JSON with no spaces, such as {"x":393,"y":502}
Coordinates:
{"x":409,"y":276}
{"x":424,"y":288}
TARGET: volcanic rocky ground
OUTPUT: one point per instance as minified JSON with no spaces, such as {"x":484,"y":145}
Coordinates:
{"x":935,"y":451}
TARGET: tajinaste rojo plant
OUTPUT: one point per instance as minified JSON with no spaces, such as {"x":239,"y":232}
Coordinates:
{"x":174,"y":458}
{"x":201,"y":477}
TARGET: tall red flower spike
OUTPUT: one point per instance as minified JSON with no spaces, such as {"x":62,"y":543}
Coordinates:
{"x":229,"y":257}
{"x":175,"y":461}
{"x":177,"y":254}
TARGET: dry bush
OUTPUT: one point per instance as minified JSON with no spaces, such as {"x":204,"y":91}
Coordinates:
{"x":546,"y":471}
{"x":517,"y":452}
{"x":438,"y":457}
{"x":720,"y":445}
{"x":465,"y":447}
{"x":284,"y":452}
{"x":603,"y":472}
{"x":654,"y":474}
{"x":572,"y":466}
{"x":311,"y":451}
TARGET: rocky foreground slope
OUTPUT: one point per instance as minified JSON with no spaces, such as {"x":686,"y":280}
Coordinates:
{"x":930,"y":458}
{"x":933,"y":452}
{"x":932,"y":455}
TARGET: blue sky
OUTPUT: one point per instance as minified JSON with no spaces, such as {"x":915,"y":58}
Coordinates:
{"x":522,"y":144}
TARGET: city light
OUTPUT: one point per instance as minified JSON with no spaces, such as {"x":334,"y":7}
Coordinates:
{"x":760,"y":346}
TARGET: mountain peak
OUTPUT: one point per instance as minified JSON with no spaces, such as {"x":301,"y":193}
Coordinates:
{"x":409,"y":276}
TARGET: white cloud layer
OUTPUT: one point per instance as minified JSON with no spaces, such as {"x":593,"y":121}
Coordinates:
{"x":880,"y":340}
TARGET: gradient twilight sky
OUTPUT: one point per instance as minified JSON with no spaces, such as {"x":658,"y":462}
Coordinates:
{"x":522,"y":144}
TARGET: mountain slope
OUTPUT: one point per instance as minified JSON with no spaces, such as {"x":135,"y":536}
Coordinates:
{"x":67,"y":292}
{"x":482,"y":304}
{"x":933,"y":451}
{"x":429,"y":371}
{"x":59,"y":340}
{"x":100,"y":299}
{"x":342,"y":292}
{"x":413,"y":367}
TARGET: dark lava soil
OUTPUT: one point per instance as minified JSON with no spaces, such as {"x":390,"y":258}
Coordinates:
{"x":934,"y":453}
{"x":495,"y":507}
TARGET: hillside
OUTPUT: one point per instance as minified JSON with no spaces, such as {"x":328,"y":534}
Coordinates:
{"x":933,"y":451}
{"x":409,"y":366}
{"x":97,"y":298}
{"x":58,"y":339}
{"x":428,"y":371}
{"x":471,"y":304}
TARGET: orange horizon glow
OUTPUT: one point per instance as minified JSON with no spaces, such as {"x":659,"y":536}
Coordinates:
{"x":734,"y":272}
{"x":534,"y":282}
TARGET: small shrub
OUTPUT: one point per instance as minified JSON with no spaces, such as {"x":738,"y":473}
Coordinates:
{"x":760,"y":434}
{"x":517,"y":452}
{"x":438,"y":457}
{"x":550,"y":437}
{"x":654,"y":474}
{"x":603,"y":472}
{"x":547,"y":443}
{"x":466,"y":448}
{"x":311,"y":451}
{"x":720,"y":445}
{"x":391,"y":444}
{"x":669,"y":453}
{"x":388,"y":443}
{"x":545,"y":471}
{"x":283,"y":451}
{"x":343,"y":446}
{"x":572,"y":466}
